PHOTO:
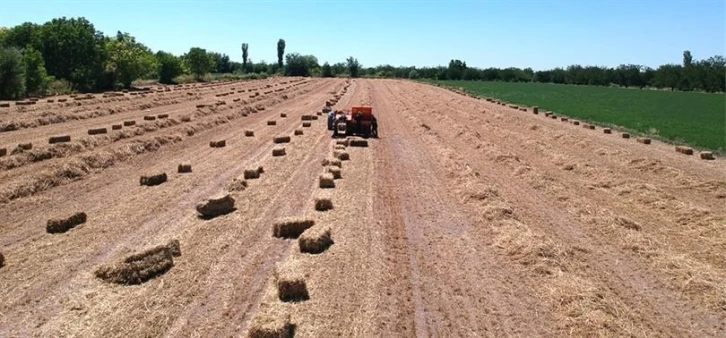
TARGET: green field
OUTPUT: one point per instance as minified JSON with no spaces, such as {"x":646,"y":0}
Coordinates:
{"x":698,"y":119}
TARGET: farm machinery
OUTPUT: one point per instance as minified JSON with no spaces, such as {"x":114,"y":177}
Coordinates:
{"x":359,"y":120}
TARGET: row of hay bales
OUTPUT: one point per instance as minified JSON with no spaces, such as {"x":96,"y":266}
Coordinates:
{"x":705,"y":155}
{"x":289,"y":279}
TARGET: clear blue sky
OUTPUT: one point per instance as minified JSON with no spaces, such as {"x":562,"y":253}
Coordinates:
{"x":528,"y":33}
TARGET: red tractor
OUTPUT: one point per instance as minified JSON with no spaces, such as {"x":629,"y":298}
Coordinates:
{"x":358,"y":121}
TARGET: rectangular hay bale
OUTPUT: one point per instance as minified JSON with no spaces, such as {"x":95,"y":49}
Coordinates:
{"x":326,"y":181}
{"x":153,"y":180}
{"x":279,"y":151}
{"x":281,"y":139}
{"x":129,"y":123}
{"x":684,"y":150}
{"x":97,"y":131}
{"x":57,"y":226}
{"x":643,"y":140}
{"x":315,"y":240}
{"x":291,"y":227}
{"x":59,"y":139}
{"x":290,"y":282}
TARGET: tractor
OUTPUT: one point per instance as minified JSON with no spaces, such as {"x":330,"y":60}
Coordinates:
{"x":358,"y":121}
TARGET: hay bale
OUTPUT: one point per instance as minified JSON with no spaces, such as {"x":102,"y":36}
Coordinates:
{"x":3,"y":151}
{"x":290,"y":282}
{"x":97,"y":131}
{"x":306,"y":117}
{"x":129,"y":123}
{"x":607,"y":131}
{"x":116,"y":127}
{"x":643,"y":140}
{"x":626,"y":135}
{"x":249,"y":133}
{"x":326,"y":181}
{"x":563,"y":119}
{"x":260,"y":170}
{"x":592,"y":126}
{"x":25,"y":146}
{"x":535,"y":110}
{"x":251,"y":174}
{"x":2,"y":260}
{"x":344,"y":142}
{"x":553,"y":116}
{"x":336,"y":172}
{"x":216,"y":206}
{"x":218,"y":144}
{"x":271,"y":122}
{"x":298,"y":132}
{"x":4,"y":105}
{"x":149,"y":118}
{"x":237,"y":185}
{"x":547,"y":114}
{"x":281,"y":139}
{"x":283,"y":115}
{"x":358,"y":143}
{"x":291,"y":227}
{"x":314,"y":117}
{"x":707,"y":155}
{"x":684,"y":150}
{"x":57,"y":226}
{"x":339,"y":147}
{"x":186,"y":118}
{"x":200,"y":106}
{"x":62,"y":100}
{"x":577,"y":123}
{"x":139,"y":268}
{"x":315,"y":240}
{"x":323,"y":200}
{"x":332,"y":162}
{"x":162,"y":116}
{"x":341,"y":155}
{"x":184,"y":168}
{"x":59,"y":139}
{"x":306,"y":124}
{"x":153,"y":179}
{"x":273,"y":322}
{"x":278,"y":151}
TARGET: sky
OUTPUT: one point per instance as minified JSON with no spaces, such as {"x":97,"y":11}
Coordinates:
{"x":540,"y":34}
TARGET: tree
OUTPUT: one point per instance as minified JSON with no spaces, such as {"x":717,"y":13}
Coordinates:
{"x":280,"y":52}
{"x":327,"y":70}
{"x":298,"y":65}
{"x":72,"y":50}
{"x":245,"y":54}
{"x":12,"y":74}
{"x":220,"y":62}
{"x":36,"y":78}
{"x":413,"y":74}
{"x":687,"y":59}
{"x":199,"y":62}
{"x":170,"y":67}
{"x":353,"y":66}
{"x":128,"y":59}
{"x":23,"y":35}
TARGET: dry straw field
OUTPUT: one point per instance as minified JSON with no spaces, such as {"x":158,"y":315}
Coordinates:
{"x":226,"y":209}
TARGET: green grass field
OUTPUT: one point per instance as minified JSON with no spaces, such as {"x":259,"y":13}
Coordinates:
{"x":698,"y":119}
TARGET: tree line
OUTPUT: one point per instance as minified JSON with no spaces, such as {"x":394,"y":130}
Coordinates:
{"x":707,"y":75}
{"x":69,"y":54}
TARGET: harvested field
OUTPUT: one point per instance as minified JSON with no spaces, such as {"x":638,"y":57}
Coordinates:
{"x":466,"y":218}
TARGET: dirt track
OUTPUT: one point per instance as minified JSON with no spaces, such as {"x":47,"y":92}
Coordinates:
{"x":464,"y":218}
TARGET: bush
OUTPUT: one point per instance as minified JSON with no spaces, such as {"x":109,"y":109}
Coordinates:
{"x":59,"y":87}
{"x":185,"y":78}
{"x":12,"y":74}
{"x":413,"y":74}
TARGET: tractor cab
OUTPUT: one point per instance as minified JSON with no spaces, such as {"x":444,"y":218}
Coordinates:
{"x":358,"y":121}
